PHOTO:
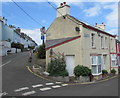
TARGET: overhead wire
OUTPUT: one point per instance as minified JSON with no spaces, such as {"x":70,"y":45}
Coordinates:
{"x":55,"y":8}
{"x":6,"y":13}
{"x":61,"y":13}
{"x":27,"y":13}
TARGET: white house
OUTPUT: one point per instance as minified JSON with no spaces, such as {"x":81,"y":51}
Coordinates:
{"x":9,"y":34}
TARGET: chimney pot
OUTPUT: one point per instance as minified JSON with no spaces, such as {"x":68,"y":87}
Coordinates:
{"x":61,"y":4}
{"x":64,"y":2}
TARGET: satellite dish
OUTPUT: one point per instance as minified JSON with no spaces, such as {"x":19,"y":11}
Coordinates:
{"x":77,"y":29}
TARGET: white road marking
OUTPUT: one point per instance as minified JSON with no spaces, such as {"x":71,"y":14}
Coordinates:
{"x":58,"y":82}
{"x":57,"y":86}
{"x":5,"y":63}
{"x":49,"y":83}
{"x":28,"y":93}
{"x":21,"y":89}
{"x":64,"y":84}
{"x":46,"y":88}
{"x":38,"y":85}
{"x":2,"y":94}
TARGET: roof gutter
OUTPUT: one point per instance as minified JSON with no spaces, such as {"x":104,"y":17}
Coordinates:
{"x":95,"y":29}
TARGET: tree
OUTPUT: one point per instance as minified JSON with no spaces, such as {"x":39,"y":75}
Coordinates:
{"x":41,"y":52}
{"x":17,"y":46}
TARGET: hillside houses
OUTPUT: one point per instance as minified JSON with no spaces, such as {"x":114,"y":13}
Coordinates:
{"x":11,"y":34}
{"x":81,"y":43}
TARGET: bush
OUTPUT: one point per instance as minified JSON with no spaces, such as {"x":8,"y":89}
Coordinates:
{"x":57,"y":67}
{"x":113,"y":71}
{"x":104,"y":72}
{"x":81,"y":71}
{"x":17,"y":45}
{"x":41,"y":52}
{"x":31,"y":47}
{"x":63,"y":73}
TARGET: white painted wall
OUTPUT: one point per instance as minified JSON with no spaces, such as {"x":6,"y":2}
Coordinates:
{"x":0,"y":30}
{"x":4,"y":47}
{"x":18,"y":50}
{"x":13,"y":50}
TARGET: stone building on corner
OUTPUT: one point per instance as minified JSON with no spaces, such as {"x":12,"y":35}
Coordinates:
{"x":81,"y":43}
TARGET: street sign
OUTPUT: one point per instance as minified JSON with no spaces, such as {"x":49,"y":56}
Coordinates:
{"x":43,"y":30}
{"x":42,"y":37}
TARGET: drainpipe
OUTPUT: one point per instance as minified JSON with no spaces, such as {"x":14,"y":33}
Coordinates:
{"x":109,"y":54}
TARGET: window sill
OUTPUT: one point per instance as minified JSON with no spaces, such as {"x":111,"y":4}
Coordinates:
{"x":114,"y":66}
{"x":97,"y":74}
{"x":93,"y":47}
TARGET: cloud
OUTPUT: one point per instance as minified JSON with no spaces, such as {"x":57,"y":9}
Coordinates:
{"x":113,"y":31}
{"x":61,"y":1}
{"x":34,"y":34}
{"x":93,"y":11}
{"x":112,"y":17}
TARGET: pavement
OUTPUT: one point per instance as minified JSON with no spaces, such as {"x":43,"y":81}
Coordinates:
{"x":17,"y":80}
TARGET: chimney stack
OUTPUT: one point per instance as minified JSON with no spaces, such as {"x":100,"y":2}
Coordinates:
{"x":18,"y":30}
{"x":3,"y":20}
{"x":63,"y":9}
{"x":100,"y":26}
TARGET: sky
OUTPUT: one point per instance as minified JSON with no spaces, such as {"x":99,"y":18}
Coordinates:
{"x":42,"y":12}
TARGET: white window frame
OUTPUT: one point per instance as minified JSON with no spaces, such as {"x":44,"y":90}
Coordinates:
{"x":97,"y":65}
{"x":102,"y":44}
{"x":114,"y":59}
{"x":93,"y":40}
{"x":106,"y":46}
{"x":104,"y":62}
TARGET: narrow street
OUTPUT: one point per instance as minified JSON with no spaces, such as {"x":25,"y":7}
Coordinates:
{"x":18,"y":81}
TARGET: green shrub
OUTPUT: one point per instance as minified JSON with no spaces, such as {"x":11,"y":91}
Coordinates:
{"x":113,"y":71}
{"x":57,"y":67}
{"x":81,"y":71}
{"x":17,"y":45}
{"x":41,"y":52}
{"x":63,"y":73}
{"x":104,"y":72}
{"x":31,"y":47}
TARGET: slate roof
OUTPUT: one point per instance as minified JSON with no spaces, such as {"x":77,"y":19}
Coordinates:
{"x":50,"y":43}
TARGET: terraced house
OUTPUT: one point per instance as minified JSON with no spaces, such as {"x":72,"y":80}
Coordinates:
{"x":10,"y":34}
{"x":81,"y":43}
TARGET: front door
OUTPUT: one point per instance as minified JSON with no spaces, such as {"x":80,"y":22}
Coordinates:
{"x":70,"y":65}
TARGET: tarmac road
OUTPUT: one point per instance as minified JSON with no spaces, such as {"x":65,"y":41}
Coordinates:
{"x":17,"y":80}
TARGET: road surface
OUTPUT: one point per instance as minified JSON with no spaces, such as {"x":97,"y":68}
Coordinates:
{"x":18,"y":81}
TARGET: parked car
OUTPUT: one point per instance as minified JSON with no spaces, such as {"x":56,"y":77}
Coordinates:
{"x":28,"y":49}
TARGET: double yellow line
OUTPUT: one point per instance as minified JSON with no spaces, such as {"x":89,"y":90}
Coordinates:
{"x":39,"y":75}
